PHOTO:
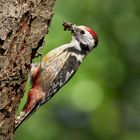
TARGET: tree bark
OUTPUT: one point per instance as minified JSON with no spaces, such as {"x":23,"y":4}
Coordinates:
{"x":23,"y":25}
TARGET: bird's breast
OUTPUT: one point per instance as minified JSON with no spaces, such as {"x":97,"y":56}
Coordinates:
{"x":57,"y":71}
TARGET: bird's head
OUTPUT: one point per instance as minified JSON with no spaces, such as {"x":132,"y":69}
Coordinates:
{"x":86,"y":37}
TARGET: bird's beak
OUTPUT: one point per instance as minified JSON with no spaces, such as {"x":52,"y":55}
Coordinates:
{"x":74,"y":29}
{"x":70,"y":27}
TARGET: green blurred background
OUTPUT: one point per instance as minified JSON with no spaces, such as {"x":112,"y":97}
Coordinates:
{"x":102,"y":101}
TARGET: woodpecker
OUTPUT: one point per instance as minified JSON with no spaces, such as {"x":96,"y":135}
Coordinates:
{"x":57,"y":68}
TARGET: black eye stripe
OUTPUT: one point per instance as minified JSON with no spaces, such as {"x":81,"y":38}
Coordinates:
{"x":84,"y":47}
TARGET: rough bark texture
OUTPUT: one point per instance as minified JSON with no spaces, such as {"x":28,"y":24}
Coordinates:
{"x":23,"y":25}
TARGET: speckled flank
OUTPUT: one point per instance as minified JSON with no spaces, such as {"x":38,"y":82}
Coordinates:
{"x":69,"y":68}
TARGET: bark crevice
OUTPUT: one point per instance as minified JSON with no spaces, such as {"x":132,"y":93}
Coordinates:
{"x":23,"y":25}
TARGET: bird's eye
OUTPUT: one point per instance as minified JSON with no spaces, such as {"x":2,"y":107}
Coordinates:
{"x":82,"y":32}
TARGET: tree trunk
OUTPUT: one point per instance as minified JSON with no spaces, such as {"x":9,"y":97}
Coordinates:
{"x":23,"y":25}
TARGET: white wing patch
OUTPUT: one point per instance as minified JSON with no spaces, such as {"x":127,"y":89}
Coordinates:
{"x":79,"y":57}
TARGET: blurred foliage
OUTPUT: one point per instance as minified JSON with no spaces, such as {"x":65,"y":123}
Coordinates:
{"x":102,"y":101}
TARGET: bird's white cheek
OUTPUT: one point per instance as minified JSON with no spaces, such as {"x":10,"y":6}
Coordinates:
{"x":92,"y":43}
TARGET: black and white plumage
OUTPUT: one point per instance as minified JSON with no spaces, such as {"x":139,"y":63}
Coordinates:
{"x":56,"y":68}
